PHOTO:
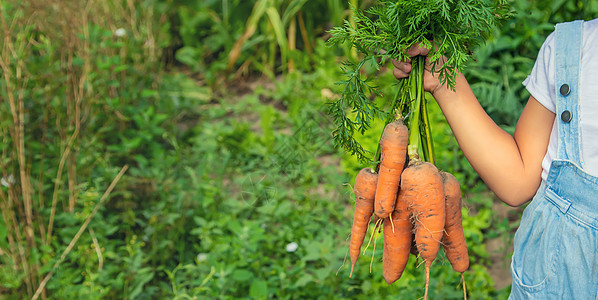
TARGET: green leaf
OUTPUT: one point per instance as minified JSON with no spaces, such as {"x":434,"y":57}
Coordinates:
{"x":279,"y":31}
{"x":147,"y":93}
{"x":313,"y":250}
{"x":258,"y":289}
{"x":291,"y":10}
{"x":268,"y":114}
{"x":142,"y":277}
{"x":304,"y":280}
{"x":188,"y":55}
{"x":3,"y":234}
{"x":322,"y":273}
{"x":242,"y":275}
{"x":78,"y":61}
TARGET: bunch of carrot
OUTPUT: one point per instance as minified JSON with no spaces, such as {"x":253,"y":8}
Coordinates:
{"x":418,"y":206}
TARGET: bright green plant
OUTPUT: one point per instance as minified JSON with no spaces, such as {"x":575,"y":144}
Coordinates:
{"x":69,"y":73}
{"x":391,"y":28}
{"x":232,"y":39}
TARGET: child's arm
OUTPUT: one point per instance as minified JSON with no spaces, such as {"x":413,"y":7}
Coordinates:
{"x":511,"y":165}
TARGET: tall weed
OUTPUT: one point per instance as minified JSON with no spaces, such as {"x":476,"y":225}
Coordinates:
{"x":70,"y":69}
{"x":233,"y":39}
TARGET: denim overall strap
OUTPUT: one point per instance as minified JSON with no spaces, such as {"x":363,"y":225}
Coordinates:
{"x":567,"y":61}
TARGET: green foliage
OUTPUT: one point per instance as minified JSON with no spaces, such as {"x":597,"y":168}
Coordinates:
{"x":356,"y":96}
{"x":76,"y":84}
{"x":234,"y":38}
{"x":393,"y":27}
{"x":387,"y":31}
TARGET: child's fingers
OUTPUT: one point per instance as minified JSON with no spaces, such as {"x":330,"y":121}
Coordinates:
{"x":402,"y":68}
{"x":418,"y":49}
{"x":402,"y":64}
{"x":399,"y":73}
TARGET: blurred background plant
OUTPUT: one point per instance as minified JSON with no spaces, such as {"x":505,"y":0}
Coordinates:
{"x":235,"y":189}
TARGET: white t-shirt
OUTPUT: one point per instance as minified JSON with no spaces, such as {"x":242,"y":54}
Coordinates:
{"x":540,"y":83}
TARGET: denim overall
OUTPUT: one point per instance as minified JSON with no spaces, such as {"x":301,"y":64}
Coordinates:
{"x":556,"y":245}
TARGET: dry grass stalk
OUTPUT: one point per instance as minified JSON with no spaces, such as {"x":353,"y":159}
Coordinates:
{"x":83,"y":227}
{"x":57,"y":32}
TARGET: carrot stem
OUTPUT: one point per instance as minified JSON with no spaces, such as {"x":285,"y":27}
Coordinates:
{"x":426,"y":134}
{"x":415,"y":84}
{"x":464,"y":289}
{"x":420,"y":136}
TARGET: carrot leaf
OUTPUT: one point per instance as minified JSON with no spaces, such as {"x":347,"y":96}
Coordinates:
{"x":451,"y":29}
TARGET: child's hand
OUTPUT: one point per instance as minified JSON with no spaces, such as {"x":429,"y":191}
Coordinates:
{"x":402,"y":69}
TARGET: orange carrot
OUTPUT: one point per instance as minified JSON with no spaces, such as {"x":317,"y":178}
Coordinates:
{"x":397,"y":242}
{"x":453,"y":240}
{"x":422,"y":185}
{"x":365,"y":189}
{"x":393,"y":153}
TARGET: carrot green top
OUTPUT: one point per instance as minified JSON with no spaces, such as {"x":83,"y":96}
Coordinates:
{"x":450,"y":28}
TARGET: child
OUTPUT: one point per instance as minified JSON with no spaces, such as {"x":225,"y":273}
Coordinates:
{"x":552,"y":157}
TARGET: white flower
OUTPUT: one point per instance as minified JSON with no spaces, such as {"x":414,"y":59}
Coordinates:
{"x":292,"y":247}
{"x":120,"y":32}
{"x":7,"y":181}
{"x":202,"y":257}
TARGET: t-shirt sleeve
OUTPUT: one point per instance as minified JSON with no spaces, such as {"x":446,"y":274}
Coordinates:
{"x":540,"y":83}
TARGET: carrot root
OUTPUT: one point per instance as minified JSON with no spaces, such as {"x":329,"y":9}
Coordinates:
{"x":453,"y":240}
{"x":392,"y":223}
{"x":376,"y":226}
{"x":374,"y":249}
{"x":365,"y":189}
{"x":464,"y":289}
{"x":393,"y":154}
{"x":427,"y":266}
